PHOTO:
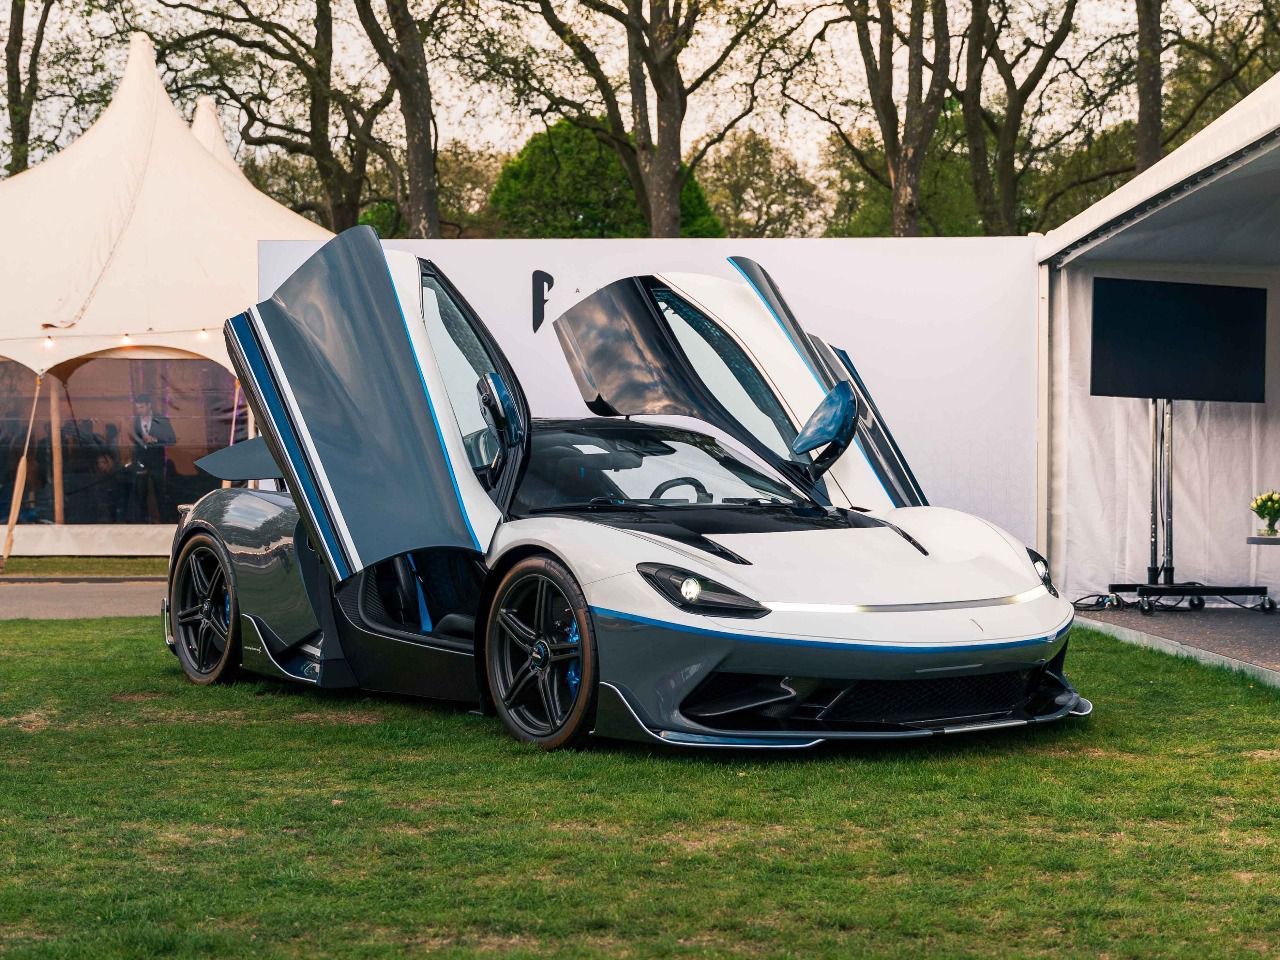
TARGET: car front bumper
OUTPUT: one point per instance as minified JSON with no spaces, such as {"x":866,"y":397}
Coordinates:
{"x":706,"y":686}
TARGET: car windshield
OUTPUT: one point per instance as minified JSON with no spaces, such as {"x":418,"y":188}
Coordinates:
{"x":627,"y":465}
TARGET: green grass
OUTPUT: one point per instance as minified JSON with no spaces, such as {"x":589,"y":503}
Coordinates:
{"x":86,"y":566}
{"x":144,"y":816}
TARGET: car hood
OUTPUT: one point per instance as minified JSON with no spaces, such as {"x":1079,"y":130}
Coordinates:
{"x":959,"y":558}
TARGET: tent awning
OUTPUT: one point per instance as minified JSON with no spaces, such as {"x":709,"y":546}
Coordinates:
{"x":1216,"y":199}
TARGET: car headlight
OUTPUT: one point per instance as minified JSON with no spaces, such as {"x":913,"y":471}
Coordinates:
{"x":1042,"y":569}
{"x":697,"y":594}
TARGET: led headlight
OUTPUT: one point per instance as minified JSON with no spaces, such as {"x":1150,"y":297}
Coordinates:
{"x":1042,"y":570}
{"x":695,"y":593}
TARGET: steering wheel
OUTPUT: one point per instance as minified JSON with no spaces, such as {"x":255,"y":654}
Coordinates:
{"x":699,"y":488}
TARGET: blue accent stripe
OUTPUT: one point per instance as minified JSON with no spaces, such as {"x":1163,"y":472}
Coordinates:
{"x":426,"y":392}
{"x":830,"y":644}
{"x":248,"y":343}
{"x":787,"y":333}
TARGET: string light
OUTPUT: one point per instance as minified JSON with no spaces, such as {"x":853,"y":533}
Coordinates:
{"x":200,"y":333}
{"x":48,"y":343}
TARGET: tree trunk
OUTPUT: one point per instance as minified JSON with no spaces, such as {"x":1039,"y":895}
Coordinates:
{"x":20,"y":92}
{"x":664,"y":179}
{"x":407,"y":64}
{"x":906,"y":196}
{"x":1150,"y":83}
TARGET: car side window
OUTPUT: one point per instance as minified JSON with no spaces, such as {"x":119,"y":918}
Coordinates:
{"x":463,"y":360}
{"x":729,"y":373}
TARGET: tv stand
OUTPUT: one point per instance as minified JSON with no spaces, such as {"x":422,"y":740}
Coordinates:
{"x":1160,"y":580}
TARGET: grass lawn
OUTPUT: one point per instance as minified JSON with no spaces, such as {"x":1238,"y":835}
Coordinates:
{"x":86,"y":566}
{"x":141,"y":816}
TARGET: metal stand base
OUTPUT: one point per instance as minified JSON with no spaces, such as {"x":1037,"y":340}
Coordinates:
{"x":1194,"y":592}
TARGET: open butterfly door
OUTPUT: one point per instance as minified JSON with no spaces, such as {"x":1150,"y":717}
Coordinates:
{"x":346,"y":382}
{"x":734,"y":356}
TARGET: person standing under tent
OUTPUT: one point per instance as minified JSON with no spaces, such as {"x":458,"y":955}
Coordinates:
{"x":149,"y":434}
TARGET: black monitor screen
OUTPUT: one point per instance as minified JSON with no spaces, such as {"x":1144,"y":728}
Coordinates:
{"x":1178,"y":341}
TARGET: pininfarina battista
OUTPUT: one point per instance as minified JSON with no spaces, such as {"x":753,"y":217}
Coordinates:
{"x":731,"y":551}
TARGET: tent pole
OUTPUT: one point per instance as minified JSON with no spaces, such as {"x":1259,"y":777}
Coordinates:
{"x":55,"y":439}
{"x":235,"y":419}
{"x":19,"y":481}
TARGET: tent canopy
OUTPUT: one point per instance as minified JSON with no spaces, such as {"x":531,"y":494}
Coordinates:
{"x":1214,"y":200}
{"x":142,"y":227}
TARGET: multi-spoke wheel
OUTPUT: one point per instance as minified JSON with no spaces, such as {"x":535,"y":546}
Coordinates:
{"x":540,"y":654}
{"x":203,"y":611}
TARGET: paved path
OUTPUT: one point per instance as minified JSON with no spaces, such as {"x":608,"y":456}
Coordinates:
{"x":1243,"y":640}
{"x":69,"y":600}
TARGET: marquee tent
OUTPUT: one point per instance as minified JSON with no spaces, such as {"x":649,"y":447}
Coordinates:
{"x":1209,"y":212}
{"x":131,"y":245}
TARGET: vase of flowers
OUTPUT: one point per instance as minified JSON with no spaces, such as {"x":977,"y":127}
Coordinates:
{"x":1267,"y":507}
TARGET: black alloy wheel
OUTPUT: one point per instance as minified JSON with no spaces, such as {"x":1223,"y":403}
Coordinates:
{"x":540,"y":655}
{"x":203,"y":611}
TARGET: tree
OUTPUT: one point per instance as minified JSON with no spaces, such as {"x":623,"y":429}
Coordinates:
{"x":275,"y":61}
{"x":757,"y":189}
{"x":637,"y":111}
{"x":862,"y":206}
{"x":1000,"y":145}
{"x":906,"y":124}
{"x":54,"y":81}
{"x":406,"y":61}
{"x":565,"y":183}
{"x":22,"y":84}
{"x":1150,"y":83}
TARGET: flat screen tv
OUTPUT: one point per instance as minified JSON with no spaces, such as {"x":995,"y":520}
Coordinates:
{"x":1178,"y":341}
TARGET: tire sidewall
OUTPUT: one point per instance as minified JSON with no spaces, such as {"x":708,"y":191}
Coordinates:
{"x":581,"y":718}
{"x":226,"y":667}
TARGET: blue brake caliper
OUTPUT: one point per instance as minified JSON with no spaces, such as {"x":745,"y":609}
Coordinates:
{"x":573,"y":675}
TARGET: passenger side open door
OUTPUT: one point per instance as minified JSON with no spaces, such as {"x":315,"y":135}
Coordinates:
{"x":344,"y":371}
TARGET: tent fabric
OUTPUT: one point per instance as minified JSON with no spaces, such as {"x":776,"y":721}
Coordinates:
{"x":1224,"y":454}
{"x":207,"y":129}
{"x":1247,"y":126}
{"x":138,"y":228}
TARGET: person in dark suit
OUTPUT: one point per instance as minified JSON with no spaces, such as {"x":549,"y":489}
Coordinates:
{"x":149,"y":434}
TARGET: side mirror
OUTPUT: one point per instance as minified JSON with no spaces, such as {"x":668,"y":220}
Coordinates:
{"x":499,"y":409}
{"x":832,"y":425}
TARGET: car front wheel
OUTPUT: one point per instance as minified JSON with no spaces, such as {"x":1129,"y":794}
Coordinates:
{"x":540,"y":655}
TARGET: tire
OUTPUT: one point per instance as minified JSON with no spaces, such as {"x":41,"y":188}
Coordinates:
{"x":205,"y":615}
{"x":1146,"y":607}
{"x":541,"y":667}
{"x":1268,"y":605}
{"x":1195,"y":603}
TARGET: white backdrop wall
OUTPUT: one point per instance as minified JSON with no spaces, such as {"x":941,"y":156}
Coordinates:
{"x":943,"y":331}
{"x":1224,"y":454}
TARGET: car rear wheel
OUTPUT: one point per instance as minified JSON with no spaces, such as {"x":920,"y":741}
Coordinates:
{"x":540,"y":655}
{"x":205,"y":616}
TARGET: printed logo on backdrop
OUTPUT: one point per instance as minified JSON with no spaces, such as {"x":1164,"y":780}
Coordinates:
{"x":542,"y":284}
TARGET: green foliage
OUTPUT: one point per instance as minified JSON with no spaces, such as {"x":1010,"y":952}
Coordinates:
{"x":141,"y":815}
{"x":565,"y":183}
{"x":864,"y":206}
{"x":757,"y":188}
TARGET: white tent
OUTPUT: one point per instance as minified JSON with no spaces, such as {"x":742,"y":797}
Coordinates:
{"x":136,"y":241}
{"x":136,"y":228}
{"x":1207,"y":213}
